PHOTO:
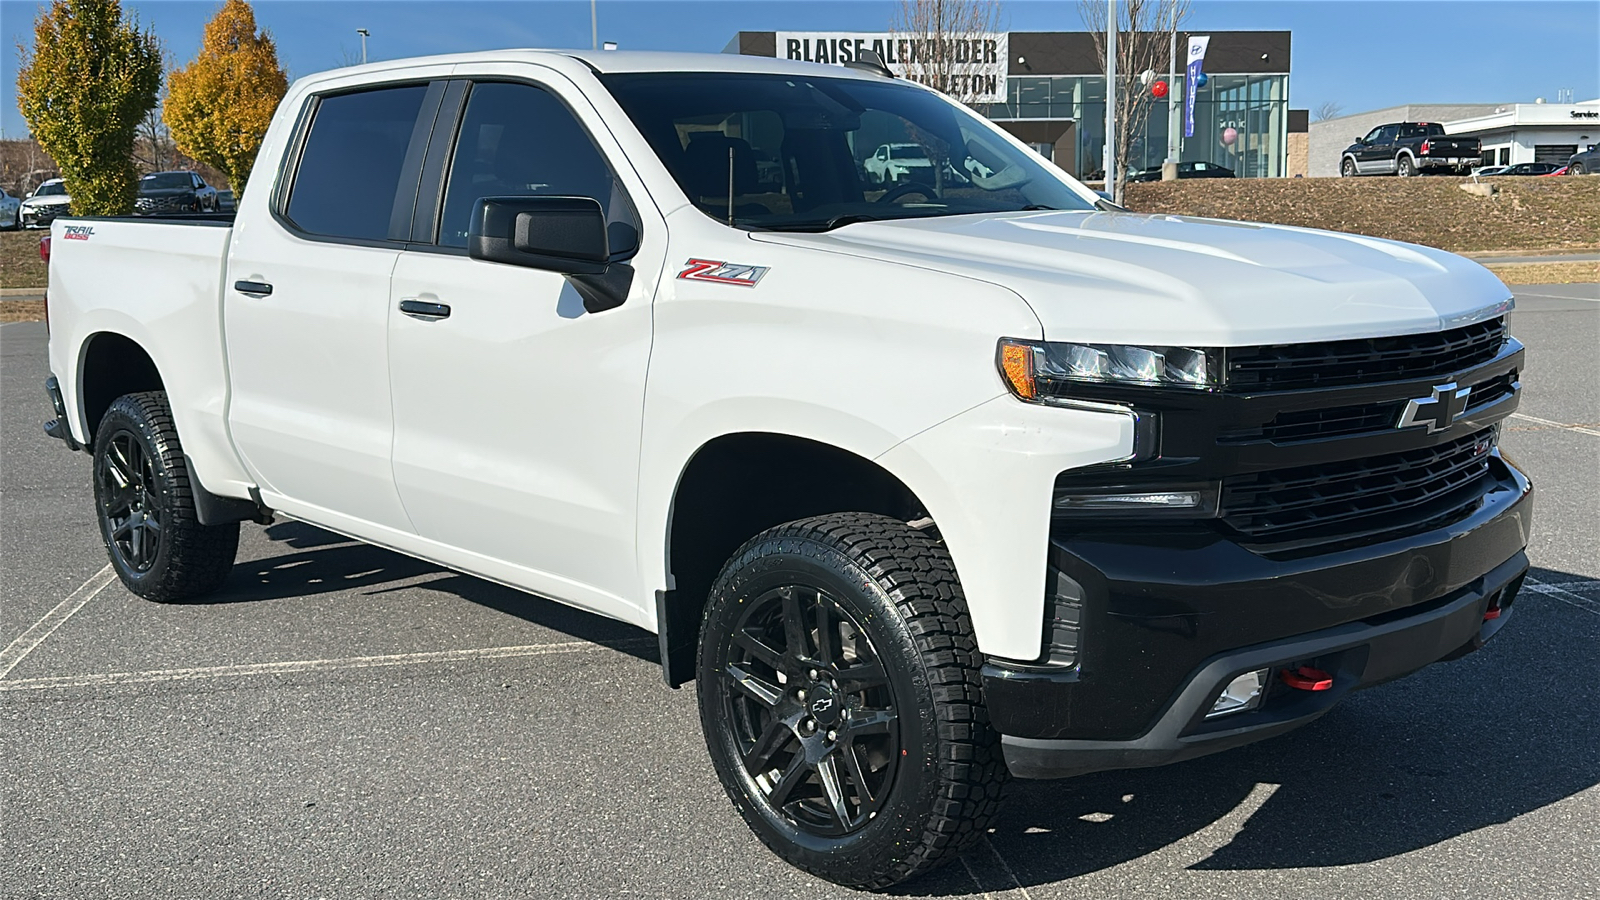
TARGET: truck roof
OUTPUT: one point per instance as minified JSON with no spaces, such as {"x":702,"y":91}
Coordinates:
{"x":611,"y":61}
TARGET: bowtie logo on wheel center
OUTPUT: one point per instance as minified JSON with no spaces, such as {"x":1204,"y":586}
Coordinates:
{"x":824,"y":705}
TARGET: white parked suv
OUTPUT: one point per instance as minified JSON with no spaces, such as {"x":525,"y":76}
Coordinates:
{"x":894,"y":163}
{"x":48,"y":201}
{"x":926,"y":488}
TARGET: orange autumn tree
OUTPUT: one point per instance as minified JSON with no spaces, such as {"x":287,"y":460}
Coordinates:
{"x":218,"y":108}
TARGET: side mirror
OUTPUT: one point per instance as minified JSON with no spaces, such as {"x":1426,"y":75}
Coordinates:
{"x":556,"y":234}
{"x":1362,"y":141}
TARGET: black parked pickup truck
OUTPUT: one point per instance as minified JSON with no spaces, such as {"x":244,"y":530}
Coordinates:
{"x":1409,"y":148}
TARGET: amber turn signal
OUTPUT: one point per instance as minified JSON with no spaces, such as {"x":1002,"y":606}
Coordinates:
{"x":1016,"y":364}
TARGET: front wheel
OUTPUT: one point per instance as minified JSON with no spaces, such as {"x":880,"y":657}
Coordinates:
{"x":1347,"y":168}
{"x":144,"y":499}
{"x":841,"y":701}
{"x":1575,"y":169}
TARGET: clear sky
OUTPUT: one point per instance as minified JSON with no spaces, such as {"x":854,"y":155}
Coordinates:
{"x":1363,"y":54}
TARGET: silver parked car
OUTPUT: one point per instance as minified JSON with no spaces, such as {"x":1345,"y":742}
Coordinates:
{"x":10,"y":211}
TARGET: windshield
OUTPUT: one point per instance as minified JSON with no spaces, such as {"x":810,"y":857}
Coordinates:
{"x":711,"y":129}
{"x":166,"y":181}
{"x":51,"y":190}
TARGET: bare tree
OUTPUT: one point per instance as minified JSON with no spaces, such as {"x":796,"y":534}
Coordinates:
{"x":153,"y":150}
{"x":1328,"y":110}
{"x":1144,"y":30}
{"x":948,"y":45}
{"x":944,"y":44}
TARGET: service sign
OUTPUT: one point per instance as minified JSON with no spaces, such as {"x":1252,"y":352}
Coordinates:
{"x":979,"y":68}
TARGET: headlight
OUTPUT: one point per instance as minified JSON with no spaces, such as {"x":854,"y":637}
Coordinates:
{"x":1040,"y":370}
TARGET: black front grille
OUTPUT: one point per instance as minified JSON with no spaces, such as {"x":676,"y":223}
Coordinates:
{"x":1365,"y":418}
{"x":1283,"y":367}
{"x":1379,"y":492}
{"x":177,"y":203}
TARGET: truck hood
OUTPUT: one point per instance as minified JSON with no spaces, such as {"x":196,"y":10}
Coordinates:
{"x":1130,"y":278}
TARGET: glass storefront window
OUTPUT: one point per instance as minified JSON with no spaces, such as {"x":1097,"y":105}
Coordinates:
{"x":1254,"y":106}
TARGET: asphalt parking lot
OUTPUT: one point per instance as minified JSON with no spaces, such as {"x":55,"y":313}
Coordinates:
{"x":345,"y":722}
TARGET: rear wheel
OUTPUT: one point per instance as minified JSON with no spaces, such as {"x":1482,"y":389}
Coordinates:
{"x":1405,"y":166}
{"x":841,"y":702}
{"x":144,"y":500}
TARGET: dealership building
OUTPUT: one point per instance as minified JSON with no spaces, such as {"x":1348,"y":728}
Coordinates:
{"x":1047,"y":89}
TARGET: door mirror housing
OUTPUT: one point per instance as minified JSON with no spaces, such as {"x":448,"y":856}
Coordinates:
{"x":559,"y":234}
{"x":556,"y":234}
{"x":1362,"y":140}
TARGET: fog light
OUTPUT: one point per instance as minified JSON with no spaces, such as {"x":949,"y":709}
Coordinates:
{"x":1241,"y":694}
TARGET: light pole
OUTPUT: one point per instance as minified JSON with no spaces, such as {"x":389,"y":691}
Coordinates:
{"x":1111,"y":99}
{"x":1172,"y":90}
{"x":594,"y":27}
{"x":363,"y":32}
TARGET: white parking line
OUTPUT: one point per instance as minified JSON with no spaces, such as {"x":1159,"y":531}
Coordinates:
{"x":317,"y":665}
{"x":1535,"y":419}
{"x":1521,"y":294}
{"x":19,"y":649}
{"x":1559,"y":592}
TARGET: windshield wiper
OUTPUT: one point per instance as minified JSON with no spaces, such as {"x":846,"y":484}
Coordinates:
{"x":826,"y":224}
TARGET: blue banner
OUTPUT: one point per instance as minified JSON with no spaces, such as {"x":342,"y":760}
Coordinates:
{"x":1197,"y":58}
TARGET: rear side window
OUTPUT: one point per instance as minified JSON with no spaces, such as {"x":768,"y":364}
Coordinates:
{"x":519,"y":140}
{"x":352,"y":163}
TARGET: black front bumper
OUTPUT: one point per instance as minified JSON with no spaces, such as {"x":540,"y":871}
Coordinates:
{"x":1168,"y":617}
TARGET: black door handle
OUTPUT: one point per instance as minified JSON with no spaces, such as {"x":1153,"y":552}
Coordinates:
{"x":253,"y":288}
{"x":422,"y":309}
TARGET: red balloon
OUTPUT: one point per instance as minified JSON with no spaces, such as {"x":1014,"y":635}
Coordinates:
{"x":1159,"y":89}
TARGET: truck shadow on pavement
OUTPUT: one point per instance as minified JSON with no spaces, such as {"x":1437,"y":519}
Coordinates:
{"x":321,"y":562}
{"x":1452,"y":749}
{"x":1455,"y":748}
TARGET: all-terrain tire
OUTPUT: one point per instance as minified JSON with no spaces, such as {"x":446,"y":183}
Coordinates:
{"x":144,"y":501}
{"x":918,"y":788}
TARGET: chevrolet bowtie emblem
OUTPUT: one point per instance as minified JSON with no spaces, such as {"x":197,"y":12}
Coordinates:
{"x":1439,"y":411}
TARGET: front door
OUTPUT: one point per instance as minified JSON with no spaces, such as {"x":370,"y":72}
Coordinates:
{"x":518,"y":413}
{"x":306,"y":311}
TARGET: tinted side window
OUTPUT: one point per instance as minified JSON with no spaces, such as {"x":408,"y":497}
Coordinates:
{"x":351,"y":165}
{"x":519,"y":140}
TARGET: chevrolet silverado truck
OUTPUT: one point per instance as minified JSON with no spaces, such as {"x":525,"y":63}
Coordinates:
{"x":926,"y":486}
{"x":1409,"y":148}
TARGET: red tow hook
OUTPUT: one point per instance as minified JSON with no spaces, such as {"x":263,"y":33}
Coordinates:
{"x":1306,"y":678}
{"x":1491,"y":613}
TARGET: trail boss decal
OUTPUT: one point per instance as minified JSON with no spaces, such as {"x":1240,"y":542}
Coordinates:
{"x":78,"y":233}
{"x":718,"y":272}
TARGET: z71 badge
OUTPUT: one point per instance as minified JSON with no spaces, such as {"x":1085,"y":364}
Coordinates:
{"x":718,"y":272}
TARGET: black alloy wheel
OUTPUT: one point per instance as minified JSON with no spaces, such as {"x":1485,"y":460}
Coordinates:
{"x":131,"y":501}
{"x":841,"y":700}
{"x":145,"y":503}
{"x":807,"y":699}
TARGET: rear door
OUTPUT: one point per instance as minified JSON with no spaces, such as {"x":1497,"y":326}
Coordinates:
{"x":307,"y":302}
{"x":518,"y":412}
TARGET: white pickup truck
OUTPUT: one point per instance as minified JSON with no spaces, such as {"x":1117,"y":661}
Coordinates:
{"x":927,"y":484}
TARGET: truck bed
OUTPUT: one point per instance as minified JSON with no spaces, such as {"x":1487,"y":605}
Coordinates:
{"x":158,"y":280}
